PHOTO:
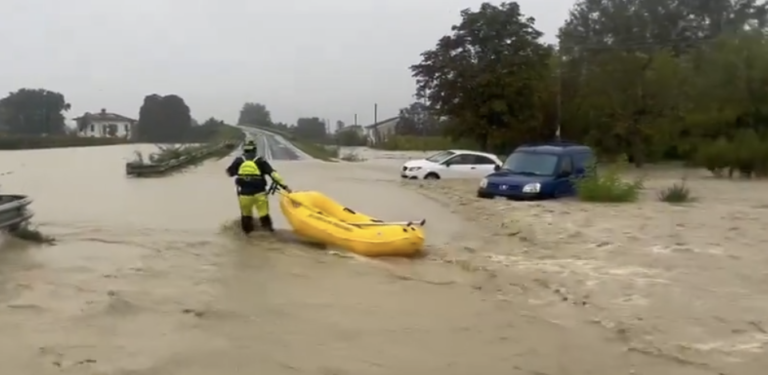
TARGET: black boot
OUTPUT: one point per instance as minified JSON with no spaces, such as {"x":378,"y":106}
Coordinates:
{"x":246,"y":222}
{"x":266,"y":223}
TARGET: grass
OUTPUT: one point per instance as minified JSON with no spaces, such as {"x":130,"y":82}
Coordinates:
{"x":19,"y":142}
{"x":317,"y":151}
{"x":608,"y":187}
{"x":678,"y":193}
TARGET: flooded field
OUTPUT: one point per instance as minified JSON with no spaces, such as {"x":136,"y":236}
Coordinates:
{"x":150,"y":276}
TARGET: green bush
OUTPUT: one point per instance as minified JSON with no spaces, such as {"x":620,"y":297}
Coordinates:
{"x":166,"y":153}
{"x":746,"y":155}
{"x":607,"y":186}
{"x":412,"y":143}
{"x":17,"y":142}
{"x":317,"y":151}
{"x":677,"y":193}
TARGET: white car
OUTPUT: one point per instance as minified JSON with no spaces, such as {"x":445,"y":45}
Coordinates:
{"x":451,"y":164}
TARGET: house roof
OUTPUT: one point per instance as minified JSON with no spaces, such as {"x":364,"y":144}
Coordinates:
{"x":382,"y":122}
{"x":103,"y":116}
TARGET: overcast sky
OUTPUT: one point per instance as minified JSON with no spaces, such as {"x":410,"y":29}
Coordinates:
{"x":330,"y":58}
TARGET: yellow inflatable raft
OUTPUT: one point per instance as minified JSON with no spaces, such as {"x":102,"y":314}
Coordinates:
{"x":318,"y":218}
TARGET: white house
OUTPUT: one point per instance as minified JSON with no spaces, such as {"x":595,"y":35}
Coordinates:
{"x":105,"y":124}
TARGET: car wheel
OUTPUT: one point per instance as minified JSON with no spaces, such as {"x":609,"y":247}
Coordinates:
{"x":432,"y":176}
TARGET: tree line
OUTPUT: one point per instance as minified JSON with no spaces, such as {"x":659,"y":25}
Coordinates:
{"x":309,"y":128}
{"x":415,"y":120}
{"x":646,"y":79}
{"x":162,"y":119}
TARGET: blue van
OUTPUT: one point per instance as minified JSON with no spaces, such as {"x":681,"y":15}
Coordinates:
{"x":539,"y":171}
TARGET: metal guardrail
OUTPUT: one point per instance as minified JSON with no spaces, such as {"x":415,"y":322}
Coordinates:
{"x":14,"y":211}
{"x":153,"y":170}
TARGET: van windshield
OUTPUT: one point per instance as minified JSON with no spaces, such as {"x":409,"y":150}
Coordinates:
{"x":440,"y":156}
{"x":530,"y":163}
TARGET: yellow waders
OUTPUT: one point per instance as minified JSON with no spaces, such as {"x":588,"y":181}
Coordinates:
{"x":249,"y":171}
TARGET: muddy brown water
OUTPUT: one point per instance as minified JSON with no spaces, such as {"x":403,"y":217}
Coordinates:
{"x":149,"y":276}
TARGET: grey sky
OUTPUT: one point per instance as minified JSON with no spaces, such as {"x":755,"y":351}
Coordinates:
{"x":330,"y":58}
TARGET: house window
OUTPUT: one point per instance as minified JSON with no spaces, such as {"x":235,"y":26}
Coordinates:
{"x":92,"y":128}
{"x":127,"y":128}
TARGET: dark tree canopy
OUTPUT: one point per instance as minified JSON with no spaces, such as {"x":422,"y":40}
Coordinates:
{"x":255,"y":114}
{"x":163,"y":119}
{"x":310,"y":128}
{"x":34,"y":112}
{"x":487,"y":76}
{"x":642,"y":77}
{"x":418,"y":120}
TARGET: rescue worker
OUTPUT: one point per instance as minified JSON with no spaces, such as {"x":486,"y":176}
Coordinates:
{"x":250,"y":171}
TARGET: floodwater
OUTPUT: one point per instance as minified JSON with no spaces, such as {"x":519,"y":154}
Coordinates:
{"x":150,"y":276}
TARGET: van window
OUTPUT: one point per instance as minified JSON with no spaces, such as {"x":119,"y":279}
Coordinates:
{"x":566,"y":164}
{"x":536,"y":164}
{"x":582,"y":160}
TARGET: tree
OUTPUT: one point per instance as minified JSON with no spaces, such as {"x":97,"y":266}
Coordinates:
{"x":418,"y":120}
{"x":163,"y":119}
{"x":311,"y":128}
{"x":282,"y":126}
{"x":626,"y":69}
{"x":350,"y":137}
{"x":255,"y":114}
{"x":34,"y":112}
{"x":206,"y":131}
{"x":488,"y":77}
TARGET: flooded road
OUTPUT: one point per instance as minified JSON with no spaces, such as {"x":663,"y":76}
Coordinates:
{"x":150,"y":276}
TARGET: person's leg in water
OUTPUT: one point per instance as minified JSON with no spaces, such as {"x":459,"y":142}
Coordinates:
{"x":247,"y":202}
{"x":261,"y":201}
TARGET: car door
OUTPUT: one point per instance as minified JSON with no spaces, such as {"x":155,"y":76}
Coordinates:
{"x":564,"y":181}
{"x":483,"y":166}
{"x":459,"y":166}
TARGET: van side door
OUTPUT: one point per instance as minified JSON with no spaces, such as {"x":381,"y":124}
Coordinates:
{"x":564,"y":181}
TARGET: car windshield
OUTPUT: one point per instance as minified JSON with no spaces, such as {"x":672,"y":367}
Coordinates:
{"x":531,"y":163}
{"x":440,"y":156}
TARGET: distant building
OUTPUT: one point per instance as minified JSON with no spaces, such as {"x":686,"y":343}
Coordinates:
{"x":105,"y":124}
{"x":380,"y":131}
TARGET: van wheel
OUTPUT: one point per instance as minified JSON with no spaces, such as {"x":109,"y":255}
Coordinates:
{"x":432,"y":176}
